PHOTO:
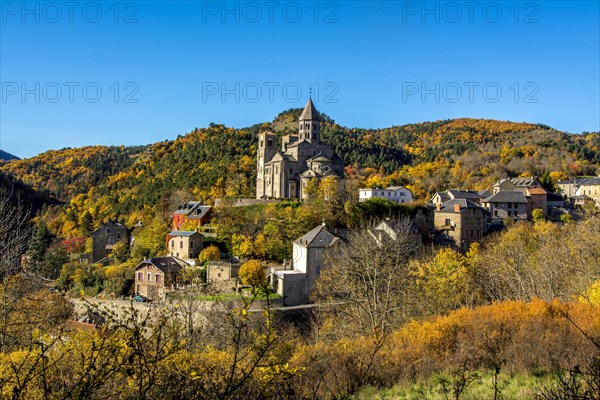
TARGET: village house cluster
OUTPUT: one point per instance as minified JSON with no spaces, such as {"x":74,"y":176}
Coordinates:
{"x":455,"y":218}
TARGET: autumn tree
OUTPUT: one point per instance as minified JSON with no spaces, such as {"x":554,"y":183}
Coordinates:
{"x":370,"y":276}
{"x":252,"y":273}
{"x":446,"y":280}
{"x":209,"y":253}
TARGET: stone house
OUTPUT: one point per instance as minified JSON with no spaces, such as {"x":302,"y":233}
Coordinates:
{"x":222,"y":270}
{"x":507,"y":204}
{"x":155,"y":276}
{"x":582,"y":200}
{"x":471,"y":195}
{"x":193,"y":212}
{"x":537,"y":199}
{"x":591,"y":188}
{"x":461,"y":222}
{"x":295,"y":284}
{"x":520,"y":184}
{"x":569,"y":187}
{"x":397,"y":194}
{"x":184,"y":244}
{"x":106,"y":237}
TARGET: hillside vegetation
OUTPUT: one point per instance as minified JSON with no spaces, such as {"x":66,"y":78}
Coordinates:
{"x":217,"y":161}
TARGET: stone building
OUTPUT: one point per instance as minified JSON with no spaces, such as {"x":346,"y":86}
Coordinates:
{"x":284,"y":171}
{"x":507,"y":204}
{"x":471,"y":195}
{"x":519,"y":184}
{"x":569,"y":187}
{"x":106,"y":236}
{"x":184,"y":244}
{"x":460,"y":221}
{"x":155,"y":276}
{"x":222,"y":270}
{"x":590,"y":188}
{"x":294,"y":285}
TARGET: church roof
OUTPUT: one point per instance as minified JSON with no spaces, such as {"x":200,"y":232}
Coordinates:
{"x":318,"y":237}
{"x":310,"y":112}
{"x":319,"y":158}
{"x":309,"y":172}
{"x":280,"y":157}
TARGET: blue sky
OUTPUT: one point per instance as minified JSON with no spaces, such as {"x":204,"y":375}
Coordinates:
{"x":144,"y":71}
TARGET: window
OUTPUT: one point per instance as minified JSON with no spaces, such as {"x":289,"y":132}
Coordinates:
{"x":261,"y":143}
{"x":111,"y":240}
{"x":495,"y":213}
{"x":269,"y":143}
{"x":181,"y":244}
{"x":118,"y":235}
{"x":191,"y":245}
{"x":509,"y":205}
{"x":158,"y":278}
{"x":291,"y":171}
{"x":149,"y":277}
{"x":140,"y":276}
{"x":447,"y":221}
{"x":172,"y":243}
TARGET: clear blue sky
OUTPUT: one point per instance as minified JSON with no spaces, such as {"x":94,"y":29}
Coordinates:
{"x":374,"y":65}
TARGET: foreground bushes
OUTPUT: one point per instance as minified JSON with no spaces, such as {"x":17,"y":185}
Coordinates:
{"x":150,"y":356}
{"x":513,"y":336}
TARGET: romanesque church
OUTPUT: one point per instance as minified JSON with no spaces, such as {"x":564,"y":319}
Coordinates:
{"x":284,"y":171}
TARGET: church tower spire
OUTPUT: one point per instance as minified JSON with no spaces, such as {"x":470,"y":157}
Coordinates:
{"x":309,"y":123}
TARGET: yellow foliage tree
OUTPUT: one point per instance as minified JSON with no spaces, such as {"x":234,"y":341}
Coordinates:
{"x":253,"y":273}
{"x":210,"y":253}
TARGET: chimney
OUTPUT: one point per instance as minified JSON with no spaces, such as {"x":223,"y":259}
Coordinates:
{"x":438,"y":207}
{"x":457,"y":208}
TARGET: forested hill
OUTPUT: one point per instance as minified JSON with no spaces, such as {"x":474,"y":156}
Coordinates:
{"x":219,"y":161}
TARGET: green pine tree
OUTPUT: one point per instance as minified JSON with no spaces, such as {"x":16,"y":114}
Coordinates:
{"x":87,"y":224}
{"x":39,"y":247}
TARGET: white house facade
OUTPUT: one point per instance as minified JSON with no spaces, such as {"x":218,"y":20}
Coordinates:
{"x":397,"y":194}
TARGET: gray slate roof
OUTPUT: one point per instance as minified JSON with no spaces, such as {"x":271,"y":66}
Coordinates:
{"x":310,"y":112}
{"x":592,"y":181}
{"x":187,"y":207}
{"x":166,"y":264}
{"x":183,"y":233}
{"x":448,"y":206}
{"x":443,"y":196}
{"x":526,"y":181}
{"x":463,"y":194}
{"x":507,"y":196}
{"x":318,"y":237}
{"x":575,"y":181}
{"x":198,"y":212}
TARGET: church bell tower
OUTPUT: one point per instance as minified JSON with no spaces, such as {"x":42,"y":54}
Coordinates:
{"x":309,"y":124}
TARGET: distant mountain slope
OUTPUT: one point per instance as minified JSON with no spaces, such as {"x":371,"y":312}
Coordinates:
{"x":30,"y":199}
{"x":67,"y":172}
{"x":4,"y":156}
{"x":219,"y":161}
